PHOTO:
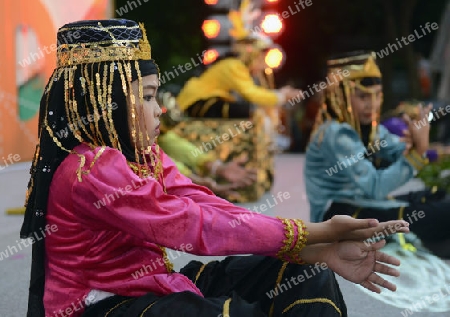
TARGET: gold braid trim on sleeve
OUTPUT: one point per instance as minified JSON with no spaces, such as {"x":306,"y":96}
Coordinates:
{"x":416,"y":160}
{"x":301,"y":241}
{"x":289,"y":232}
{"x":288,"y":252}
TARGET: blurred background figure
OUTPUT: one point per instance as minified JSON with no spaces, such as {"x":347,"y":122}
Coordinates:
{"x":239,"y":80}
{"x":202,"y":167}
{"x":303,"y":117}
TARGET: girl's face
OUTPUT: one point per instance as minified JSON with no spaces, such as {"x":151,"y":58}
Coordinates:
{"x":148,"y":113}
{"x":366,"y":104}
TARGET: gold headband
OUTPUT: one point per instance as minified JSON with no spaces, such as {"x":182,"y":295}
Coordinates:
{"x":368,"y":69}
{"x":125,"y":50}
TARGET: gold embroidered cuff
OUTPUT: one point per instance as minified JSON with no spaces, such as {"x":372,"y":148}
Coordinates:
{"x":290,"y":250}
{"x":416,"y":160}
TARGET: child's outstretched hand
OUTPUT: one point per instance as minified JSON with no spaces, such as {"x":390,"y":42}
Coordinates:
{"x":342,"y":227}
{"x":361,"y":263}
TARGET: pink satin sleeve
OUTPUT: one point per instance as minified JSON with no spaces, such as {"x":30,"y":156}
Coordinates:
{"x":112,"y":197}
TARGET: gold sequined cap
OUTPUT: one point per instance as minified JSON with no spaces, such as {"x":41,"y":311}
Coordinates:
{"x":100,"y":41}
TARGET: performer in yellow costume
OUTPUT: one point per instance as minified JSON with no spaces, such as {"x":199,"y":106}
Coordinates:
{"x":227,"y":88}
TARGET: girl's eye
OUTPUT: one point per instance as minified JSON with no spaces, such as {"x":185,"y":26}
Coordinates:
{"x":148,"y":97}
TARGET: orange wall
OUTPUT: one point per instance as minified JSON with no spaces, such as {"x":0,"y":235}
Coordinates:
{"x":16,"y":136}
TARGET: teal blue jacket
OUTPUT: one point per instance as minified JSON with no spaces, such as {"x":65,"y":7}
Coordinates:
{"x":337,"y":171}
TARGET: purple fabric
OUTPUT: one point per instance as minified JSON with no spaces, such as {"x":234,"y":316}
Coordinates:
{"x":397,"y":126}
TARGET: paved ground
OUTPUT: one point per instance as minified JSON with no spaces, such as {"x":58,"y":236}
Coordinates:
{"x":14,"y":271}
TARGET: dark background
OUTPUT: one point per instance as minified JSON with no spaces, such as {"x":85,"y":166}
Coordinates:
{"x":310,"y":36}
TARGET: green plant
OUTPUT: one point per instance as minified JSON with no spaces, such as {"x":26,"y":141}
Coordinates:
{"x":437,"y":174}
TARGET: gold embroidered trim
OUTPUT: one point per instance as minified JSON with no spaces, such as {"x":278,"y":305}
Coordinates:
{"x":288,"y":252}
{"x":313,"y":300}
{"x":120,"y":304}
{"x":356,"y":214}
{"x":206,"y":106}
{"x":70,"y":54}
{"x":289,"y":232}
{"x":281,"y":272}
{"x":147,"y":308}
{"x":226,"y":110}
{"x":417,"y":161}
{"x":226,"y":308}
{"x":301,"y":241}
{"x":202,"y":268}
{"x":167,"y":263}
{"x":278,"y":281}
{"x":98,"y":28}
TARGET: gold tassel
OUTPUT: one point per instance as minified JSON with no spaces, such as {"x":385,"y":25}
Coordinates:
{"x":115,"y":142}
{"x":144,"y":148}
{"x":132,"y":98}
{"x":91,"y":87}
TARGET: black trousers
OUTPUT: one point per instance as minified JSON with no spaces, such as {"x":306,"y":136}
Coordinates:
{"x":219,"y":108}
{"x":428,"y":214}
{"x":247,"y":286}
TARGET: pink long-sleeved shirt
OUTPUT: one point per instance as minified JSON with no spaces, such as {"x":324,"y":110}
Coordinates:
{"x":112,"y":224}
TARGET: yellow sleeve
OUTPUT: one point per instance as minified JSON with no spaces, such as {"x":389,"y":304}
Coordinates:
{"x":184,"y":152}
{"x":238,"y":78}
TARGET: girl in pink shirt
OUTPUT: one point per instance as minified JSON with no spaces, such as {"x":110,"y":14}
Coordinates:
{"x":114,"y":202}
